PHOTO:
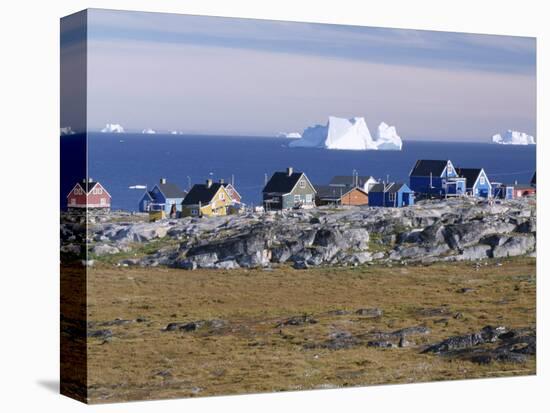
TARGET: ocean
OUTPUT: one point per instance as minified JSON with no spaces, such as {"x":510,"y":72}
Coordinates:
{"x":119,"y":161}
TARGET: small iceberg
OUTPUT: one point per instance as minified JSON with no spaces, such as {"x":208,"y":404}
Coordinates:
{"x":112,"y":128}
{"x":148,"y":131}
{"x":512,"y":137}
{"x":138,"y":187}
{"x":289,"y":135}
{"x":66,"y":130}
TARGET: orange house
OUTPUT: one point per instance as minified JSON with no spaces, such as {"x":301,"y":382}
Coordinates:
{"x":332,"y":195}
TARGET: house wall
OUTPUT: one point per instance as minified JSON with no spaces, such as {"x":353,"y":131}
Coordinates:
{"x":384,"y":199}
{"x":144,"y":202}
{"x":421,"y":184}
{"x":292,"y":200}
{"x":217,"y":207}
{"x":168,"y":204}
{"x":376,"y":199}
{"x":272,"y":206}
{"x":97,"y":198}
{"x":482,"y":189}
{"x":521,"y":192}
{"x":355,"y":197}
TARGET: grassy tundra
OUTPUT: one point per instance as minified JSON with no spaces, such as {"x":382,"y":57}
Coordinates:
{"x":241,"y":343}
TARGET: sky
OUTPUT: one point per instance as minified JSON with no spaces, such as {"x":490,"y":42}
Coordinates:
{"x":212,"y":75}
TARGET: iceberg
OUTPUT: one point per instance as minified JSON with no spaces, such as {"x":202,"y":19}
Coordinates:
{"x":512,"y":137}
{"x":113,"y":128}
{"x":348,"y":134}
{"x":66,"y":130}
{"x":290,"y":135}
{"x":148,"y":131}
{"x":387,"y":138}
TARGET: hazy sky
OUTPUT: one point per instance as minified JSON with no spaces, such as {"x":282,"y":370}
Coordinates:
{"x":253,"y":77}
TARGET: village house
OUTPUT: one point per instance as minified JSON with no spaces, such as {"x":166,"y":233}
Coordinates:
{"x":363,"y":182}
{"x":165,"y":196}
{"x":89,"y":194}
{"x":521,"y":191}
{"x":287,"y":190}
{"x":393,"y":194}
{"x":233,"y":193}
{"x":340,"y":195}
{"x":477,"y":182}
{"x":208,"y":199}
{"x":436,"y":178}
{"x":502,"y":191}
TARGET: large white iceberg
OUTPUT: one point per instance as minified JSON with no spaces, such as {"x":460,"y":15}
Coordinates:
{"x":148,"y":131}
{"x":387,"y":138}
{"x":512,"y":137}
{"x":113,"y":128}
{"x":290,"y":135}
{"x":350,"y":134}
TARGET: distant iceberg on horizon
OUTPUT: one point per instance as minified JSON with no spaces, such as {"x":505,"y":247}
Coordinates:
{"x":290,"y":135}
{"x":148,"y":131}
{"x":112,"y":128}
{"x":512,"y":137}
{"x":349,"y":134}
{"x":66,"y":130}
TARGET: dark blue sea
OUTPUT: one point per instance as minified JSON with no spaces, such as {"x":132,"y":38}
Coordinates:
{"x":120,"y":161}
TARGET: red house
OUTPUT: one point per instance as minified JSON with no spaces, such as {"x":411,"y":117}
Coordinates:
{"x":88,"y":194}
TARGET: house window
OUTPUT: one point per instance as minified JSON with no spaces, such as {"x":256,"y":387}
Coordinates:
{"x":449,"y":169}
{"x":308,"y":198}
{"x":102,"y":201}
{"x":392,"y":196}
{"x":73,"y":201}
{"x":302,"y":184}
{"x":297,"y":198}
{"x":482,"y":180}
{"x":222,"y":196}
{"x":194,"y":212}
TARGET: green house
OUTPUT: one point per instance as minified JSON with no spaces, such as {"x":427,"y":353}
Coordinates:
{"x":288,"y":190}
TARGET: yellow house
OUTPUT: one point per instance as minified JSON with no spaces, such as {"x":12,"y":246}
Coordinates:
{"x":209,"y":199}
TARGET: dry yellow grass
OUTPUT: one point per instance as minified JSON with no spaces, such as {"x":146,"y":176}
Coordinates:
{"x":251,"y":355}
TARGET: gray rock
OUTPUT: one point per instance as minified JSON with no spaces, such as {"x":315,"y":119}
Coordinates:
{"x":71,"y":249}
{"x":514,"y":246}
{"x":103,"y":334}
{"x":297,"y":321}
{"x":104,"y":249}
{"x":227,"y":265}
{"x":381,"y":344}
{"x":370,"y":312}
{"x":301,"y":265}
{"x":487,"y":334}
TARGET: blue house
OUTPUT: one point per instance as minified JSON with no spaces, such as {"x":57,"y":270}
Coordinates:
{"x":477,"y":182}
{"x":436,"y":178}
{"x":502,"y":191}
{"x":394,"y":194}
{"x":164,"y":196}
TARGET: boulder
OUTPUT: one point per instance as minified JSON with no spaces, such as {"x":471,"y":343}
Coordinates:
{"x":514,"y":246}
{"x":370,"y":312}
{"x":104,"y":249}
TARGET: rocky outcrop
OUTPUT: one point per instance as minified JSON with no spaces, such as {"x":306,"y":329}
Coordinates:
{"x":449,"y":230}
{"x":488,"y":345}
